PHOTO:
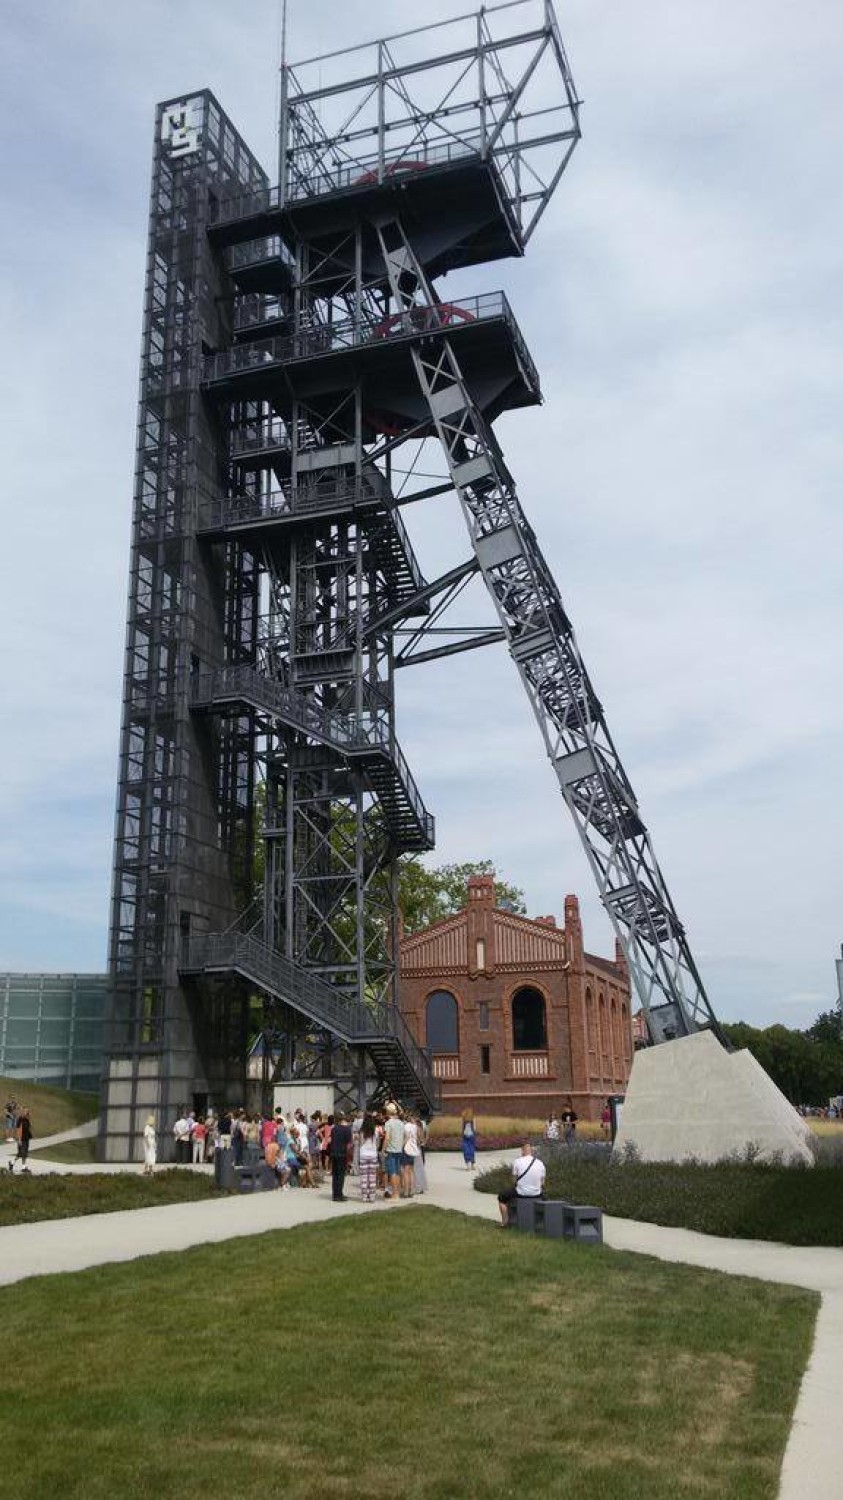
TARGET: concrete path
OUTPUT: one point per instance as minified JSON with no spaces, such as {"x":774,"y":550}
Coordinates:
{"x":813,"y":1464}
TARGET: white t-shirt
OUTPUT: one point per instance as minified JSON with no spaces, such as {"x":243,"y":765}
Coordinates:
{"x":529,"y":1174}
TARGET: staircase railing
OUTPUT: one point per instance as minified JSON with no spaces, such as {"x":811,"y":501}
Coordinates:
{"x":350,"y":1019}
{"x":351,"y":736}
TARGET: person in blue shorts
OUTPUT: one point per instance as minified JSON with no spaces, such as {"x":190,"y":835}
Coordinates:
{"x":394,"y":1142}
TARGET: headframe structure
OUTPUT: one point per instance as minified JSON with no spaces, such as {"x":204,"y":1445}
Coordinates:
{"x":303,"y":381}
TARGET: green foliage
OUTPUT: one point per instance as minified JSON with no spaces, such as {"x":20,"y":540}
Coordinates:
{"x":24,"y":1200}
{"x":739,"y":1200}
{"x":162,"y":1377}
{"x":806,"y":1065}
{"x":828,"y":1027}
{"x":426,"y":895}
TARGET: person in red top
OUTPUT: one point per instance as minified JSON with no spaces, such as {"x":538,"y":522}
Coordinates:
{"x":197,"y":1137}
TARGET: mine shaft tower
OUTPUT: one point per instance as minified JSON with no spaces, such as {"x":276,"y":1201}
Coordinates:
{"x":303,"y":381}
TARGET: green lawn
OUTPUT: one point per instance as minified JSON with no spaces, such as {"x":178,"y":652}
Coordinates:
{"x":53,"y":1110}
{"x":795,"y":1206}
{"x":414,"y":1354}
{"x":23,"y":1200}
{"x":84,"y":1150}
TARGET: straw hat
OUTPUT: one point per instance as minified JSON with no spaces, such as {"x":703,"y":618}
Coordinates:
{"x":392,"y":1109}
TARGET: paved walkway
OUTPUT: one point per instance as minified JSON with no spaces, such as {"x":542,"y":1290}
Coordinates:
{"x":813,"y":1464}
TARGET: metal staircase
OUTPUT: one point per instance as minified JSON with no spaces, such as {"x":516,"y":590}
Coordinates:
{"x":366,"y":742}
{"x":380,"y":1029}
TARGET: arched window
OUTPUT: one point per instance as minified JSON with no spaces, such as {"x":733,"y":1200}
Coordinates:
{"x":529,"y":1029}
{"x":442,"y":1026}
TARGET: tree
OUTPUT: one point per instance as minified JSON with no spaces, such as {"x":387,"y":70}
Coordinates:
{"x":828,"y":1027}
{"x":426,"y":896}
{"x":806,"y":1065}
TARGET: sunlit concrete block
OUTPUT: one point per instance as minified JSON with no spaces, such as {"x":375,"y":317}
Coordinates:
{"x":691,"y":1098}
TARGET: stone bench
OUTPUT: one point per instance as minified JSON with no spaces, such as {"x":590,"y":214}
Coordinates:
{"x":557,"y":1219}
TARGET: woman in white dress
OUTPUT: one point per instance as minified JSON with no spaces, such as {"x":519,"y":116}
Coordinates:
{"x":150,"y":1147}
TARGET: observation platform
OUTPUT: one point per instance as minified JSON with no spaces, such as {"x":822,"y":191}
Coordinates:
{"x":316,"y":362}
{"x":452,"y":201}
{"x":251,"y":520}
{"x":261,"y":265}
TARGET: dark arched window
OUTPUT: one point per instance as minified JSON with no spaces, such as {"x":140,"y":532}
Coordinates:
{"x":529,"y":1030}
{"x":442,"y":1027}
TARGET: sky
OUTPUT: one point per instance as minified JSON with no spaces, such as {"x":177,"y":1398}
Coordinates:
{"x":681,"y":300}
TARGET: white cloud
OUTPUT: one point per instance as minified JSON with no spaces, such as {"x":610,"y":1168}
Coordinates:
{"x":681,"y":300}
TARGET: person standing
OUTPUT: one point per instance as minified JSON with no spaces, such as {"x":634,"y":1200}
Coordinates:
{"x":419,"y":1173}
{"x":368,"y":1158}
{"x":469,"y":1139}
{"x":238,"y":1139}
{"x":24,"y":1135}
{"x":340,"y":1146}
{"x":394,"y":1143}
{"x":197,"y":1139}
{"x":411,"y":1151}
{"x":181,"y":1137}
{"x":356,"y":1127}
{"x":150,"y":1146}
{"x":569,"y":1124}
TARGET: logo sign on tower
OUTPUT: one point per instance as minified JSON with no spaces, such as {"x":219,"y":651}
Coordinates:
{"x":180,"y":128}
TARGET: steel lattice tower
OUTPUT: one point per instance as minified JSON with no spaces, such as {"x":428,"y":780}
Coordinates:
{"x":302,"y":381}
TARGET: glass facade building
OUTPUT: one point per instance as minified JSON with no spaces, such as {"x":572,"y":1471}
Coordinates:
{"x":52,"y":1029}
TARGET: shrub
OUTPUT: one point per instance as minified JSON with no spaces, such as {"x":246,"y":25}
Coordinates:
{"x":737,"y":1199}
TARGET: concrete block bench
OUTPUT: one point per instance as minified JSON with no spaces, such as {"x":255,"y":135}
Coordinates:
{"x":557,"y":1219}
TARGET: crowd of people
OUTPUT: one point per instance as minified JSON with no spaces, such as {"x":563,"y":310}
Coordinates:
{"x":384,"y":1150}
{"x":18,"y":1126}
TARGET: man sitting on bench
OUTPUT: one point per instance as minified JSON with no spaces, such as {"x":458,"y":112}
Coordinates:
{"x":529,"y":1175}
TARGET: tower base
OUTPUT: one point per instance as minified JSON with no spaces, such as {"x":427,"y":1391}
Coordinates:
{"x":692,"y":1099}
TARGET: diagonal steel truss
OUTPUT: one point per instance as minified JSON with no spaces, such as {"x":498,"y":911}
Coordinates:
{"x":541,"y":641}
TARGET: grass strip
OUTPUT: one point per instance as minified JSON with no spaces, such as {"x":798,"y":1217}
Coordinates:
{"x":82,"y":1151}
{"x":53,"y":1110}
{"x":792,"y":1206}
{"x":414,"y":1352}
{"x":26,"y":1200}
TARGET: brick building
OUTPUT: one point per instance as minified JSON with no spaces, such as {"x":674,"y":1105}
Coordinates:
{"x":518,"y":1017}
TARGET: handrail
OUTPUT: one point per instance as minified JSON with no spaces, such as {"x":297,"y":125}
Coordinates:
{"x":292,"y":706}
{"x":351,"y":736}
{"x":287,"y":500}
{"x":330,"y":338}
{"x":347,"y":1017}
{"x":366,"y":172}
